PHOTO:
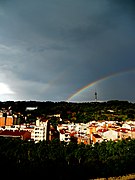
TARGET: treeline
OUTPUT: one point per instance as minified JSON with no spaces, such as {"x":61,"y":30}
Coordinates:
{"x":61,"y":161}
{"x":58,"y":107}
{"x":74,"y":112}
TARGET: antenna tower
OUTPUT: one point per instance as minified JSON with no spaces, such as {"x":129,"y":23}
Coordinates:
{"x":95,"y":96}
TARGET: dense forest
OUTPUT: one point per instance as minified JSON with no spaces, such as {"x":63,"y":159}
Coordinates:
{"x":61,"y":161}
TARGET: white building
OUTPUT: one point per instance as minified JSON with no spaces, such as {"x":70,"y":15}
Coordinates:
{"x":110,"y":135}
{"x":40,"y":130}
{"x":65,"y":136}
{"x":127,"y":126}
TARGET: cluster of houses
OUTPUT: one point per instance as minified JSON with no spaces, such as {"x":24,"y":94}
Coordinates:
{"x":97,"y":131}
{"x":87,"y":133}
{"x":11,"y":127}
{"x":32,"y":132}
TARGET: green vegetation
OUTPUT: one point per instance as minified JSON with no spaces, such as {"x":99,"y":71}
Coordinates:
{"x":73,"y":112}
{"x":57,"y":160}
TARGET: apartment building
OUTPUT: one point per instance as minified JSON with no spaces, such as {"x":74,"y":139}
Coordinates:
{"x":40,"y":130}
{"x":6,"y":121}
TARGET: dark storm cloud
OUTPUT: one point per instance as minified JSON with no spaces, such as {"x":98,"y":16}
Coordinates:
{"x":50,"y":49}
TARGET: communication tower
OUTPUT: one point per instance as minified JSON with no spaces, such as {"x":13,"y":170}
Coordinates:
{"x":95,"y":96}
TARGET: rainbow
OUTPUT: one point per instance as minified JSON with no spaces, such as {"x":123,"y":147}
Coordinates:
{"x":84,"y":88}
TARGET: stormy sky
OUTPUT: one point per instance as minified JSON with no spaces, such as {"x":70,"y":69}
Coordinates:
{"x":51,"y":49}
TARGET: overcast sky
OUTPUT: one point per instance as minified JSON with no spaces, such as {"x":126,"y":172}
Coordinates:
{"x":50,"y":49}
